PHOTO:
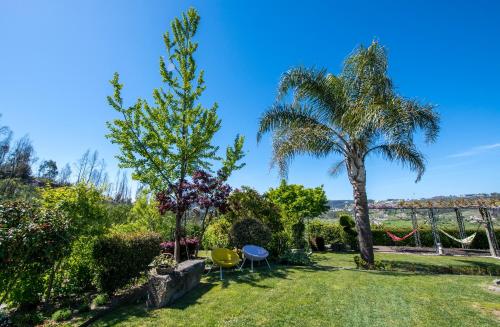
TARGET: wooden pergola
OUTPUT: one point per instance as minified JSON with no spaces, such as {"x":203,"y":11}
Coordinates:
{"x":483,"y":205}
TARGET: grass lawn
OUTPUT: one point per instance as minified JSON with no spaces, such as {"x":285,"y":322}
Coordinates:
{"x":326,"y":295}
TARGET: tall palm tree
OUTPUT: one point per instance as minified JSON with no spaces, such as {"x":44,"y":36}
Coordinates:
{"x":351,"y":115}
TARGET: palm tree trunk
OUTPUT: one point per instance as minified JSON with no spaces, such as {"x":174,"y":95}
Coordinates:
{"x":357,"y":177}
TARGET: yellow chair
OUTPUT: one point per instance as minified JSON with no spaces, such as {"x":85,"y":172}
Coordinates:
{"x":224,"y":258}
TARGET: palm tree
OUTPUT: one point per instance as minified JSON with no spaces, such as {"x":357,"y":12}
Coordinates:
{"x":352,"y":115}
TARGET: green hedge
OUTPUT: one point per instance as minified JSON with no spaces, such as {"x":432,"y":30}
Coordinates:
{"x":480,"y":241}
{"x":122,"y":257}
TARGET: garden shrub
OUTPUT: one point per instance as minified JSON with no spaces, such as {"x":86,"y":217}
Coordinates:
{"x":296,"y":257}
{"x":331,"y":232}
{"x":380,"y":237}
{"x":188,"y":247}
{"x":217,"y":234}
{"x":76,"y":272}
{"x":348,"y":225}
{"x":122,"y":257}
{"x":61,"y":315}
{"x":279,"y":244}
{"x":100,"y":300}
{"x":362,"y":264}
{"x":249,"y":231}
{"x":28,"y":318}
{"x":145,"y":217}
{"x":31,"y":240}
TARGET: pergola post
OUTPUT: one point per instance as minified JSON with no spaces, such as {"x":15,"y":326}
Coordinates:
{"x":435,"y":234}
{"x":490,"y":232}
{"x":418,"y":243}
{"x":461,"y":226}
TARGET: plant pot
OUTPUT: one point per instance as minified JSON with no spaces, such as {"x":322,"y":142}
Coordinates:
{"x":164,"y":270}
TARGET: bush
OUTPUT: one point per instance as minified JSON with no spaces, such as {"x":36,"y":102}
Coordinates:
{"x":31,"y":318}
{"x":217,"y":234}
{"x":348,"y":226}
{"x":249,"y":231}
{"x":77,"y":271}
{"x":279,"y":244}
{"x":4,"y":318}
{"x":331,"y":232}
{"x":31,"y":240}
{"x":296,"y":257}
{"x":188,"y":247}
{"x":380,"y":237}
{"x":122,"y":257}
{"x":362,"y":264}
{"x":61,"y":315}
{"x":100,"y":300}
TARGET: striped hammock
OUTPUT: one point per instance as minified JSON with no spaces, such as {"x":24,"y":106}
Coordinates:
{"x":466,"y":241}
{"x":396,"y":238}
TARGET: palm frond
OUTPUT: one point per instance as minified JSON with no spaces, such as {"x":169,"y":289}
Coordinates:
{"x":301,"y":140}
{"x":322,"y":92}
{"x":337,"y":168}
{"x":405,"y":154}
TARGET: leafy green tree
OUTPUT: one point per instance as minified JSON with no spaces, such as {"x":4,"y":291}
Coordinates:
{"x":166,"y":142}
{"x":48,"y":170}
{"x":352,"y":115}
{"x":297,"y":203}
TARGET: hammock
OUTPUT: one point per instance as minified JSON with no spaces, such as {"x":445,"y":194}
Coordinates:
{"x":466,"y":241}
{"x":396,"y":238}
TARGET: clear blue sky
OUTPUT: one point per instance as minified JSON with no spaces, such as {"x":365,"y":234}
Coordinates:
{"x":57,"y":56}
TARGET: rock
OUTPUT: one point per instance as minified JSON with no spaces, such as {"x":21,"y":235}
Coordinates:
{"x":165,"y":289}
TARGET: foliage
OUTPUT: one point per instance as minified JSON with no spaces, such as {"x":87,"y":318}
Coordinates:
{"x":296,"y":257}
{"x":164,"y":259}
{"x":77,"y":270}
{"x":62,"y":314}
{"x":297,"y":203}
{"x":16,"y":189}
{"x":348,"y":226}
{"x":32,"y":238}
{"x":249,"y":231}
{"x":123,"y":257}
{"x":354,"y":114}
{"x":480,"y":241}
{"x":166,"y":142}
{"x":188,"y":247}
{"x":331,"y":232}
{"x":117,"y":212}
{"x":5,"y":320}
{"x":17,"y":162}
{"x":83,"y":204}
{"x":247,"y":202}
{"x":144,"y":217}
{"x":362,"y":264}
{"x":48,"y":170}
{"x":28,"y":318}
{"x":100,"y":300}
{"x":298,"y":200}
{"x":207,"y":192}
{"x":217,"y":234}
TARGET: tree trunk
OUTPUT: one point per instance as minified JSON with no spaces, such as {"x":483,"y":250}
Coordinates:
{"x":204,"y":225}
{"x":50,"y":283}
{"x":357,"y":177}
{"x":177,"y":235}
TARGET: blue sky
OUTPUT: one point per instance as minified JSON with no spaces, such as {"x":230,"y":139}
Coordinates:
{"x":57,"y":56}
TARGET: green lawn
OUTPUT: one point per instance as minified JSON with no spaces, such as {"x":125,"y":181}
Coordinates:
{"x":326,"y":295}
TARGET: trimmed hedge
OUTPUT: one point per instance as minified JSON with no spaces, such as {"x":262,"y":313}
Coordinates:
{"x":122,"y":257}
{"x":381,"y":238}
{"x":249,"y":231}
